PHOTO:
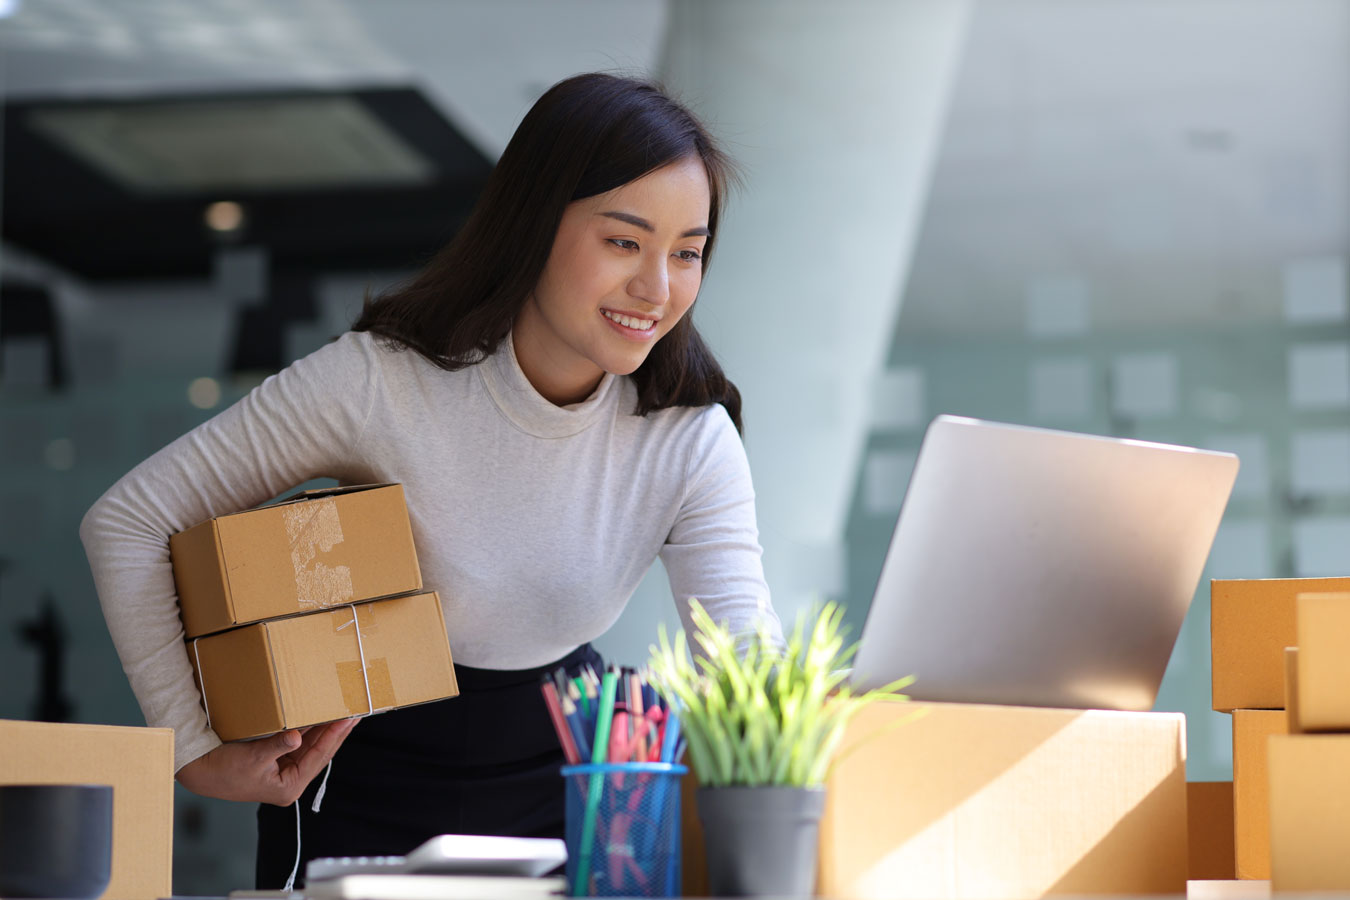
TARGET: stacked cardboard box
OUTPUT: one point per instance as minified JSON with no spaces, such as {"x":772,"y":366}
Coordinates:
{"x":1252,"y":622}
{"x":1310,"y":765}
{"x":309,"y":610}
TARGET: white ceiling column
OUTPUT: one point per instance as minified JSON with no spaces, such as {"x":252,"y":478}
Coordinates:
{"x":834,"y":112}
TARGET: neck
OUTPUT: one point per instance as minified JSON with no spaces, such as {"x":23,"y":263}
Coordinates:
{"x":558,"y":380}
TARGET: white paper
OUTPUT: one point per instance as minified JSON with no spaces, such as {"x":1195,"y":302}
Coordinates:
{"x":1315,"y":290}
{"x":1253,"y":477}
{"x":885,"y":479}
{"x":1319,"y":376}
{"x":1320,"y":461}
{"x":1061,"y":389}
{"x":898,"y":399}
{"x":1241,"y":550}
{"x":1322,"y":546}
{"x":1058,"y":306}
{"x":1144,"y":384}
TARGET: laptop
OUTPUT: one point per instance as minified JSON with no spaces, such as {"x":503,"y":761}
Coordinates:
{"x":1031,"y":567}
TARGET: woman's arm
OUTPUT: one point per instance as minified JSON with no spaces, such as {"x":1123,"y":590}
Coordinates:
{"x":302,"y":423}
{"x":713,"y":552}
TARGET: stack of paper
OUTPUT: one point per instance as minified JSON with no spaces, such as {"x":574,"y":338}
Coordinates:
{"x":453,"y":866}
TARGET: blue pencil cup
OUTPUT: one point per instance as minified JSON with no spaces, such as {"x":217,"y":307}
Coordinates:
{"x":623,"y":829}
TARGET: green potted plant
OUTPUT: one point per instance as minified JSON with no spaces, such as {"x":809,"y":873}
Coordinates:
{"x":762,"y":722}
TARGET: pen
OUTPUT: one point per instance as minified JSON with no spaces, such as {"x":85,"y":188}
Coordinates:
{"x":581,"y":695}
{"x":582,"y":886}
{"x":560,"y":725}
{"x":577,"y":728}
{"x":671,"y":736}
{"x":639,"y":743}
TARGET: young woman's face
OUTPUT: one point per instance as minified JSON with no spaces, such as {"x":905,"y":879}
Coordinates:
{"x":625,"y":266}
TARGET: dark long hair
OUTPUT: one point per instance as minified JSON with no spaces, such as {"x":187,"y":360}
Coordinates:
{"x":586,"y":135}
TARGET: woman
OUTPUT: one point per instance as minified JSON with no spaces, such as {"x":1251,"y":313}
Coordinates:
{"x":557,"y":425}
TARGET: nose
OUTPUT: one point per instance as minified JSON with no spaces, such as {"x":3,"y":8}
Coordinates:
{"x":651,"y":281}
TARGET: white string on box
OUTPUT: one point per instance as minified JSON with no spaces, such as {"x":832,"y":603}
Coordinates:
{"x":370,"y":704}
{"x":201,"y":680}
{"x":290,"y":882}
{"x":361,"y":649}
{"x":323,"y":786}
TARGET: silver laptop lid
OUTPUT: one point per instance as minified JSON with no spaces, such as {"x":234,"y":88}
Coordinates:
{"x":1042,"y":568}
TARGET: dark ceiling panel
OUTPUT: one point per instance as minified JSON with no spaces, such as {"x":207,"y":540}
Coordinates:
{"x":67,"y":211}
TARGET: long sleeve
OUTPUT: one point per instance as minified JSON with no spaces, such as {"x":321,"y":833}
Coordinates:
{"x":713,"y":552}
{"x":301,"y":423}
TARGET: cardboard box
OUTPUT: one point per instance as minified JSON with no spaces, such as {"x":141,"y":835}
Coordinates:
{"x":1252,"y":729}
{"x":314,"y":550}
{"x":317,"y":667}
{"x":137,"y":762}
{"x":1292,"y":723}
{"x":1209,"y":818}
{"x":1251,"y":622}
{"x":973,"y":801}
{"x":1310,"y":812}
{"x":1324,"y":661}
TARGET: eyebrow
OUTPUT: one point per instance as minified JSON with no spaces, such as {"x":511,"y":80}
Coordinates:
{"x":639,"y":222}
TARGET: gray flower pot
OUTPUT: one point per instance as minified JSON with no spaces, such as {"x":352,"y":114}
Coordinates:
{"x":761,"y":841}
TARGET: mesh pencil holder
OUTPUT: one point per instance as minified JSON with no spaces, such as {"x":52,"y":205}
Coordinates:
{"x":623,"y":829}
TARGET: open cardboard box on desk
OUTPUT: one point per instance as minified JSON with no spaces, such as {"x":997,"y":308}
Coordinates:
{"x":972,"y":801}
{"x":137,"y":762}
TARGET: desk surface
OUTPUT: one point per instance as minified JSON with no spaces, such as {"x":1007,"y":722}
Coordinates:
{"x":1195,"y":890}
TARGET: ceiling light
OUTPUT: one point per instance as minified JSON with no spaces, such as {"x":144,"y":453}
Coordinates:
{"x":224,"y":215}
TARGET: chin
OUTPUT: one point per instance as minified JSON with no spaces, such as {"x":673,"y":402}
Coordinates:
{"x":625,"y":366}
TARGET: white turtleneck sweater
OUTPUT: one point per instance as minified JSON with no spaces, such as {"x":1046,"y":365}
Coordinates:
{"x":534,"y":522}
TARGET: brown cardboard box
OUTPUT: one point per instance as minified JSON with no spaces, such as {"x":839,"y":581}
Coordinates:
{"x":972,"y":801}
{"x":1209,"y":818}
{"x":1309,"y":812}
{"x":1252,"y":729}
{"x":1324,"y":661}
{"x":312,"y":551}
{"x":137,"y":762}
{"x":1292,"y":724}
{"x":303,"y":670}
{"x":1251,"y":622}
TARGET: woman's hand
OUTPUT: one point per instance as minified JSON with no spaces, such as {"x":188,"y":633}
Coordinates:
{"x":272,"y":770}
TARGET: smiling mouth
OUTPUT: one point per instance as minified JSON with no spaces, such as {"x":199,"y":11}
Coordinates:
{"x":629,"y":321}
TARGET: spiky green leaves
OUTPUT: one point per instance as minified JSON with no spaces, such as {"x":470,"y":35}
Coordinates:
{"x":760,"y":713}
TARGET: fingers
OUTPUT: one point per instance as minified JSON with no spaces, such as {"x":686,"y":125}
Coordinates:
{"x":298,"y":767}
{"x":278,"y":744}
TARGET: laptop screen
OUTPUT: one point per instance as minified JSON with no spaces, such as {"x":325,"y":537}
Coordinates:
{"x":1042,"y":568}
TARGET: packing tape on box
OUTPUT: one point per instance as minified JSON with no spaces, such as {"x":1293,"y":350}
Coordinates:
{"x":368,"y":678}
{"x":314,"y":526}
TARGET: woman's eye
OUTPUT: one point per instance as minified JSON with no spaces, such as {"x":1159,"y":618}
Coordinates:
{"x":624,"y":243}
{"x":689,"y":255}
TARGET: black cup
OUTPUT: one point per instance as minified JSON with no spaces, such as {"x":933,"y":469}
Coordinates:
{"x":55,"y":840}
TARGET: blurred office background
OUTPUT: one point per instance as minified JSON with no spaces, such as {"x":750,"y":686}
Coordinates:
{"x":1125,"y":217}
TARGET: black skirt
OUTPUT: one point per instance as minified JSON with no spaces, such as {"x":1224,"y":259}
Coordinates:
{"x":485,"y":762}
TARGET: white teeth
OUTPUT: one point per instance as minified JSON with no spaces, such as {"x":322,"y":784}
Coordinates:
{"x":629,"y":321}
